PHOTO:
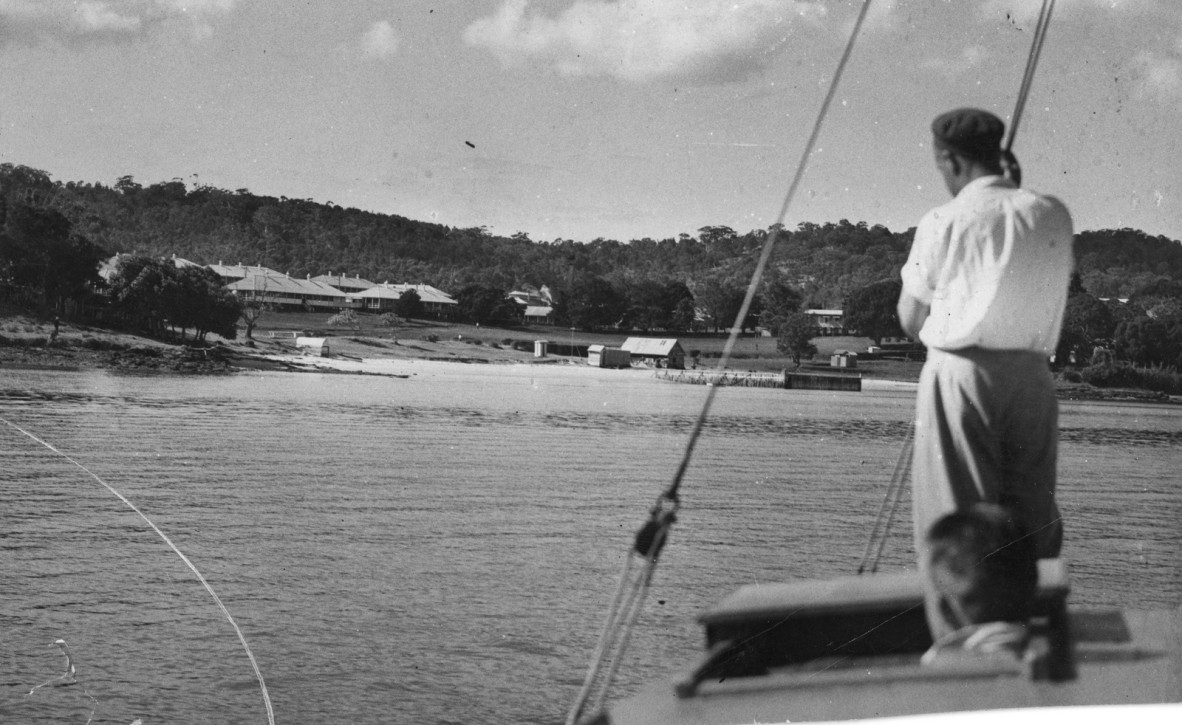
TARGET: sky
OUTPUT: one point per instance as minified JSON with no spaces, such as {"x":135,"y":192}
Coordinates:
{"x":579,"y":119}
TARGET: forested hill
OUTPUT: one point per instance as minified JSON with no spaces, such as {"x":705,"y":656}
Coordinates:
{"x":206,"y":224}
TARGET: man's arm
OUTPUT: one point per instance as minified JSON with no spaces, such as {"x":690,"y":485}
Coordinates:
{"x":912,"y":314}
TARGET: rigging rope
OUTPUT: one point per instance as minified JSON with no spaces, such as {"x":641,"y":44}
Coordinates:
{"x":890,"y":504}
{"x":1009,"y":161}
{"x":217,"y":600}
{"x":654,"y":533}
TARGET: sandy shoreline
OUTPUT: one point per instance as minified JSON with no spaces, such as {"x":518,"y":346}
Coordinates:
{"x":549,"y":367}
{"x":81,"y":348}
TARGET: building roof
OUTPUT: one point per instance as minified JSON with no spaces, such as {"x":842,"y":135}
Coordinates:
{"x":241,"y":271}
{"x":531,"y":296}
{"x":651,"y":345}
{"x":108,"y":267}
{"x":838,"y":313}
{"x":427,"y":293}
{"x":281,"y":284}
{"x":342,"y":282}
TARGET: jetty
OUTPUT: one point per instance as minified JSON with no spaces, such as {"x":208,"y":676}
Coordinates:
{"x":789,"y":380}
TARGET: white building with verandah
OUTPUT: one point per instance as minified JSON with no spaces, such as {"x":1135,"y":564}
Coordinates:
{"x":348,"y":285}
{"x":291,"y":293}
{"x":539,"y":314}
{"x":382,"y":297}
{"x":829,"y":322}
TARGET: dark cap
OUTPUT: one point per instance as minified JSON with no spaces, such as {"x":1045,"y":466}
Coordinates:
{"x":969,"y":131}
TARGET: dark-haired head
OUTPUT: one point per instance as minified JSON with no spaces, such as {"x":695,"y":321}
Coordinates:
{"x":983,"y":565}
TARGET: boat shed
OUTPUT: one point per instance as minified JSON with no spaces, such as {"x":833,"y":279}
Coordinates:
{"x":657,"y":351}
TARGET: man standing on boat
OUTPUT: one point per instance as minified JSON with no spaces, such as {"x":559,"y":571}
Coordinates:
{"x":984,"y":288}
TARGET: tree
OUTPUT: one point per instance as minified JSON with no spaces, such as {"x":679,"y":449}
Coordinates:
{"x":199,"y":300}
{"x":40,"y":252}
{"x":409,"y":304}
{"x":871,"y":310}
{"x":646,"y":306}
{"x":483,"y":304}
{"x":139,"y":289}
{"x":779,"y":299}
{"x":795,"y":337}
{"x":593,"y":304}
{"x":685,"y":316}
{"x":1086,"y":322}
{"x":721,"y":300}
{"x":151,"y":293}
{"x":1146,"y":341}
{"x":252,"y":312}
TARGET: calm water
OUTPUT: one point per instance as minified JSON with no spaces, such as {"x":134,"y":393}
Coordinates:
{"x":442,"y":549}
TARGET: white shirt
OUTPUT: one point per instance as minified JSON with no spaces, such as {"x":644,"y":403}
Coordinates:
{"x":994,"y":265}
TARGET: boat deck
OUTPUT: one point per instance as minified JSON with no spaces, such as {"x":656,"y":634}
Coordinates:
{"x":757,"y":672}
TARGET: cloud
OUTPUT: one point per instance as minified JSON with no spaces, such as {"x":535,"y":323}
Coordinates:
{"x":1024,"y":13}
{"x":380,"y":41}
{"x":70,"y":20}
{"x":640,"y":40}
{"x":1159,"y":75}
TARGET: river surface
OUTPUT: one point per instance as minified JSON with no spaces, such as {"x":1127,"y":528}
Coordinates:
{"x":442,"y":548}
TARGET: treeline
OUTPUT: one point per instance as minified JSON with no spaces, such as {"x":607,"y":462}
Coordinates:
{"x":53,"y":234}
{"x":824,"y":262}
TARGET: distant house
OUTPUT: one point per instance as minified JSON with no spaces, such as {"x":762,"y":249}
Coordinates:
{"x":539,"y":314}
{"x":538,"y":305}
{"x":657,"y":352}
{"x":829,"y":322}
{"x":108,"y":267}
{"x":348,"y":285}
{"x":290,"y":293}
{"x":383,"y":296}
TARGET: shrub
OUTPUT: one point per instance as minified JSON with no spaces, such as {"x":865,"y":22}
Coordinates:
{"x":432,"y":338}
{"x":1124,"y":375}
{"x":1162,"y":379}
{"x":1116,"y":375}
{"x":495,"y":345}
{"x":508,"y":342}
